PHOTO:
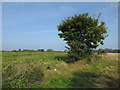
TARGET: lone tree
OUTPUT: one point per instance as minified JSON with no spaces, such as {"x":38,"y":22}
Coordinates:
{"x":82,"y":33}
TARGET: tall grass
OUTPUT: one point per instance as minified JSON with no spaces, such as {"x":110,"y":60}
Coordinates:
{"x":28,"y":70}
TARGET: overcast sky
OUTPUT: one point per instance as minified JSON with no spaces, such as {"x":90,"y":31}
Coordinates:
{"x":34,"y":25}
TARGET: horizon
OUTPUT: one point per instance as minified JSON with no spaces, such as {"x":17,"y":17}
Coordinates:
{"x":52,"y":49}
{"x":34,"y":25}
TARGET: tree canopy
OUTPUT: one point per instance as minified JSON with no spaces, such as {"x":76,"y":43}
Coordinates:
{"x":82,"y":33}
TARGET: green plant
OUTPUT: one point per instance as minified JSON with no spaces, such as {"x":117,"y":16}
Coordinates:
{"x":82,"y":33}
{"x":14,"y":51}
{"x":40,"y":50}
{"x":19,"y":50}
{"x":101,"y":51}
{"x":65,"y":50}
{"x":49,"y":50}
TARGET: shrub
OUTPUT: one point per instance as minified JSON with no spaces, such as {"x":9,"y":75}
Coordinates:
{"x":49,"y":50}
{"x":19,"y":50}
{"x":101,"y":51}
{"x":40,"y":50}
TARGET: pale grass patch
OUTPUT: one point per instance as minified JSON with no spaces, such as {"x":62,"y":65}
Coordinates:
{"x":113,"y":56}
{"x":62,"y":64}
{"x":78,"y":65}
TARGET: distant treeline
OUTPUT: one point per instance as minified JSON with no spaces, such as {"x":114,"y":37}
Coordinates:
{"x":107,"y":50}
{"x":28,"y":50}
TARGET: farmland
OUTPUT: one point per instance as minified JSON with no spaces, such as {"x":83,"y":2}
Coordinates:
{"x":28,"y":70}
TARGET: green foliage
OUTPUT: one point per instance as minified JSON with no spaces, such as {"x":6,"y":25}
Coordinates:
{"x":19,"y":50}
{"x":82,"y":34}
{"x":27,"y":50}
{"x":14,"y":51}
{"x":65,"y":50}
{"x":3,"y":51}
{"x":40,"y":50}
{"x":101,"y":51}
{"x":49,"y":50}
{"x":109,"y":50}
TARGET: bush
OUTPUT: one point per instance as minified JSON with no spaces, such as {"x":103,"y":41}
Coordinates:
{"x":49,"y":50}
{"x":40,"y":50}
{"x":101,"y":51}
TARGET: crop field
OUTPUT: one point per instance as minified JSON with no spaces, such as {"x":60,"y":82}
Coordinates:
{"x":28,"y":70}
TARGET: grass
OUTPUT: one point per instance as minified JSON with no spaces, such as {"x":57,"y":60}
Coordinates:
{"x":28,"y":70}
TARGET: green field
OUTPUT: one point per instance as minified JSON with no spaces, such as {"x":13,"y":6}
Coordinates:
{"x":28,"y":70}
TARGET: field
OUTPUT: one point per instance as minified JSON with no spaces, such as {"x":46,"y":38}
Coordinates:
{"x":28,"y":70}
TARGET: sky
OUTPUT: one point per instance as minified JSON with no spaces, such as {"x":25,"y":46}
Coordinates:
{"x":33,"y":25}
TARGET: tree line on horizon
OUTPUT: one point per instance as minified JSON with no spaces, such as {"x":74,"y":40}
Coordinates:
{"x":29,"y":50}
{"x":106,"y":50}
{"x":99,"y":51}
